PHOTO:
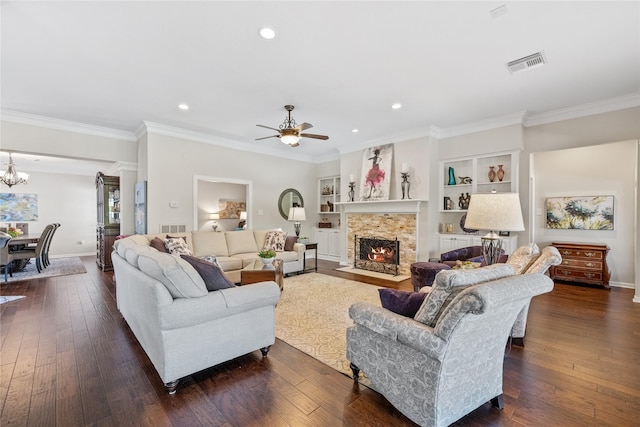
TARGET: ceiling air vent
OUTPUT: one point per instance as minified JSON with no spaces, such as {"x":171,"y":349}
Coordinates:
{"x":535,"y":60}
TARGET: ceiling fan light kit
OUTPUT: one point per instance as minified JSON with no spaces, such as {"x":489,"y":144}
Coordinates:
{"x":289,"y":131}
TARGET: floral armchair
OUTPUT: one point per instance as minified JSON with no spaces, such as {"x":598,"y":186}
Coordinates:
{"x":447,"y":360}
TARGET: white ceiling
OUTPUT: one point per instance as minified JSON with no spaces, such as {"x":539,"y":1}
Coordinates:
{"x":342,"y":64}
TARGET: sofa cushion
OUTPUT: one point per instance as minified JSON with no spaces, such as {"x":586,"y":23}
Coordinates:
{"x":229,"y":264}
{"x":241,"y":242}
{"x":522,"y":257}
{"x":177,"y":246}
{"x":401,"y":302}
{"x":209,"y":243}
{"x":275,"y":240}
{"x":123,"y":244}
{"x":449,"y":283}
{"x":134,"y":252}
{"x":158,"y":243}
{"x":213,"y":276}
{"x":289,"y":242}
{"x":179,"y":277}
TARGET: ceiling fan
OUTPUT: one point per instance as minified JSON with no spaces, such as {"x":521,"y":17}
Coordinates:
{"x":290,"y":132}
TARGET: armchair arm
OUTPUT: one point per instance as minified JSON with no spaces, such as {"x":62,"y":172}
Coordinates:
{"x":398,"y":328}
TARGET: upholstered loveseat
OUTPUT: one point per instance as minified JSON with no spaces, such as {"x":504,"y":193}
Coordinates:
{"x":448,"y":360}
{"x":181,"y":325}
{"x":234,"y":250}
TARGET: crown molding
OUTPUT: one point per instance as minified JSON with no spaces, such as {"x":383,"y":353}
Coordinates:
{"x":65,"y":125}
{"x":175,"y":132}
{"x":589,"y":109}
{"x":482,"y":125}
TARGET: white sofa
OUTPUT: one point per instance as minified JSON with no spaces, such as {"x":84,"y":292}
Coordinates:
{"x":182,"y":327}
{"x":235,"y":250}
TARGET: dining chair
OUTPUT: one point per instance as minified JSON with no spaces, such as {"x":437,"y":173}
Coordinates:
{"x":45,"y":250}
{"x":27,"y":253}
{"x":4,"y":243}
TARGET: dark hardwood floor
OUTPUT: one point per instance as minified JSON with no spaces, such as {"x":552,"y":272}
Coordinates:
{"x":67,"y":358}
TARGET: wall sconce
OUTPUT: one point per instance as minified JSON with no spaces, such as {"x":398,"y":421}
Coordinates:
{"x":213,"y":218}
{"x":406,"y":185}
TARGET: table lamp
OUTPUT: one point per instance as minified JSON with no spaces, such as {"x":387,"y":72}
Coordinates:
{"x":243,"y":220}
{"x":213,"y":218}
{"x":494,"y":211}
{"x":296,"y":215}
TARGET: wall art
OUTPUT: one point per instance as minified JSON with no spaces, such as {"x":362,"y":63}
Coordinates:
{"x":230,"y":209}
{"x":376,"y":171}
{"x":18,"y":207}
{"x":140,"y":207}
{"x":580,"y":212}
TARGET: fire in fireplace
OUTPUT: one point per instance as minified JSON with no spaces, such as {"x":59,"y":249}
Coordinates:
{"x":377,"y":254}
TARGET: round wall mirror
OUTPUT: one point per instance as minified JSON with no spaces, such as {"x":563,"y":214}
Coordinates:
{"x":290,"y":198}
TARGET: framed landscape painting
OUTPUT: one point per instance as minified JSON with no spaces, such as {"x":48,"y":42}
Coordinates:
{"x":580,"y":213}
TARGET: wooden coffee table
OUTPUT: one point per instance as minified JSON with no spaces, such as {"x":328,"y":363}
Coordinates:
{"x":256,"y":272}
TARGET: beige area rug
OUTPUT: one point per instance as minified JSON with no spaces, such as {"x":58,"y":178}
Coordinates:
{"x":313,"y":315}
{"x":57,"y":267}
{"x":391,"y":277}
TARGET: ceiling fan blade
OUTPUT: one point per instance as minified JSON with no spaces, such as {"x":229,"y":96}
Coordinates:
{"x":311,"y":135}
{"x":304,"y":126}
{"x":265,"y":137}
{"x":263,"y":126}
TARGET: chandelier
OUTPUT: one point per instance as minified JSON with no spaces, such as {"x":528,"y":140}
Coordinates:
{"x":11,"y":177}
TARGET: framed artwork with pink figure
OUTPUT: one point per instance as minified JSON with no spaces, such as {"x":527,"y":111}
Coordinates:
{"x":376,"y":173}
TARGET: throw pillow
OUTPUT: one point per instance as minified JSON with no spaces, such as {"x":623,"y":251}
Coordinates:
{"x":158,"y":244}
{"x":522,"y":257}
{"x":449,"y":283}
{"x":275,"y":240}
{"x":177,"y":246}
{"x":213,"y":276}
{"x":289,"y":242}
{"x":404,"y":303}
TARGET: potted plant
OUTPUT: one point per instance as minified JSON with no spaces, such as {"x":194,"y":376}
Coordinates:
{"x":267,"y":256}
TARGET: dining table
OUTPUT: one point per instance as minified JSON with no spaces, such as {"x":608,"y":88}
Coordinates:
{"x":14,"y":244}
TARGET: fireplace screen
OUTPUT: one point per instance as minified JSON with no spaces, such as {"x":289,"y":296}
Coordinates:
{"x":377,"y":254}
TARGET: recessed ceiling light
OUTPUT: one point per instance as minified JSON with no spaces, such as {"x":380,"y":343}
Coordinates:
{"x":354,"y":130}
{"x":183,"y":107}
{"x":396,"y":106}
{"x":267,"y":33}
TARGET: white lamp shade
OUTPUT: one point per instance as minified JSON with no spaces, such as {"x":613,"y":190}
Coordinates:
{"x":243,"y":215}
{"x":214,"y":216}
{"x":297,"y":214}
{"x":495,"y":211}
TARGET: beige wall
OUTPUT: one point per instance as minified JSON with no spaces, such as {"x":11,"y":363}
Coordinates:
{"x":173,"y":162}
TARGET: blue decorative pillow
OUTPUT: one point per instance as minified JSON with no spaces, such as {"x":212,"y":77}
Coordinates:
{"x":404,"y":303}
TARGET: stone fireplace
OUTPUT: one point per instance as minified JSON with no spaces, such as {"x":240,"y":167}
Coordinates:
{"x":393,"y":220}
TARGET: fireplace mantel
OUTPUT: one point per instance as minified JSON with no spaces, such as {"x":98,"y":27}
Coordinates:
{"x":382,"y":206}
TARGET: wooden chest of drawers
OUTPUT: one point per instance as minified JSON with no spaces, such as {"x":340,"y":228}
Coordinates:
{"x":582,"y":263}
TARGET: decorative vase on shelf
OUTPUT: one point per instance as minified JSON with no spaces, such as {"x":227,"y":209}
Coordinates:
{"x":492,"y":174}
{"x":452,"y":176}
{"x":500,"y":173}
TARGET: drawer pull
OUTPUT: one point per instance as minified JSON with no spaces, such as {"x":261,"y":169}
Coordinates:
{"x":590,"y":253}
{"x":566,"y":252}
{"x":566,"y":272}
{"x":589,"y":275}
{"x":566,"y":262}
{"x":590,"y":264}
